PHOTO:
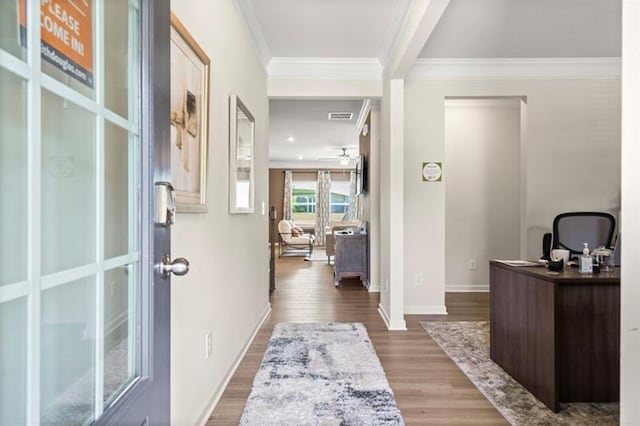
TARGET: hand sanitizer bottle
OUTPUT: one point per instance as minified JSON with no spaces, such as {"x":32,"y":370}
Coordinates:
{"x":586,"y":262}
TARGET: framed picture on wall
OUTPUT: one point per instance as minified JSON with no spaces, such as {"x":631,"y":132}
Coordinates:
{"x":189,"y":119}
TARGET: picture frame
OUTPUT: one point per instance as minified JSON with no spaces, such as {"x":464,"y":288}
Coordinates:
{"x":241,"y":157}
{"x":190,"y":73}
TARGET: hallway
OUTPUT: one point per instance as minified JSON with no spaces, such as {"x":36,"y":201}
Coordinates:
{"x":429,"y":387}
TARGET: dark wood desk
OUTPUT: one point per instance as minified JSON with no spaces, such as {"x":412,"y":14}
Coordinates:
{"x":558,"y":335}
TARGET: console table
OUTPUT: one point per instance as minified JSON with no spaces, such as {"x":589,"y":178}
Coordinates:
{"x":351,"y":256}
{"x":558,"y":335}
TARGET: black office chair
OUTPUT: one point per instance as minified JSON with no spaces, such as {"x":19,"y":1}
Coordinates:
{"x":572,"y":230}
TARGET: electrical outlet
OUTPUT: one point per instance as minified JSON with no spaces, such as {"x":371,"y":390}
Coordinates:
{"x":419,"y":279}
{"x":473,"y":264}
{"x":208,"y":344}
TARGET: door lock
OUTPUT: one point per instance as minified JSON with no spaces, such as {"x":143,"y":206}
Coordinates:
{"x":165,"y":204}
{"x":179,"y":266}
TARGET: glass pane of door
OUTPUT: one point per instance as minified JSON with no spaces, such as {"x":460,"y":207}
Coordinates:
{"x":13,"y":246}
{"x":13,"y":27}
{"x":68,"y":181}
{"x":69,"y":208}
{"x":13,"y":362}
{"x":121,"y":364}
{"x":13,"y":178}
{"x":67,"y":384}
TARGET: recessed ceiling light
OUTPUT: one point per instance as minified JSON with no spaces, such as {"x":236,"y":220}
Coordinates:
{"x":290,"y":139}
{"x":300,"y":157}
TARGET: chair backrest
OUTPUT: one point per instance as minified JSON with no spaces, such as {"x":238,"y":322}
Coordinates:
{"x":284,"y":229}
{"x":571,"y":230}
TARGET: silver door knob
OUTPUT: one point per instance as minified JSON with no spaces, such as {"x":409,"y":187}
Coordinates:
{"x":179,"y":266}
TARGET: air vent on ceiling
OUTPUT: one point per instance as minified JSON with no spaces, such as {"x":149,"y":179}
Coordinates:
{"x":340,"y":115}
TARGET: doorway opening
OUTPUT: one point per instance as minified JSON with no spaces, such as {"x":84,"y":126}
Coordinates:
{"x":484,"y":187}
{"x":317,"y":153}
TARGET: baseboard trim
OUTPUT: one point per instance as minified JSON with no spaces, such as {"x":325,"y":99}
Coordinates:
{"x":400,"y":325}
{"x":426,"y":310}
{"x":384,"y":316}
{"x":467,"y":288}
{"x":373,"y":288}
{"x":213,"y":402}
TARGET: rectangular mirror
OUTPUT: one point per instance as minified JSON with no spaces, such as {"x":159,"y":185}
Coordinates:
{"x":241,"y":140}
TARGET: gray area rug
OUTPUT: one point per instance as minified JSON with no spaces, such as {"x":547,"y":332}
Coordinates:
{"x":467,"y":344}
{"x":321,"y":374}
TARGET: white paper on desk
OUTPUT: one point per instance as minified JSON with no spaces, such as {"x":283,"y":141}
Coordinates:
{"x":517,"y":262}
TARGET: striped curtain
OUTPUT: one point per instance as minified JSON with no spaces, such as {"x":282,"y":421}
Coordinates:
{"x":288,"y":193}
{"x":323,"y":206}
{"x":352,"y":213}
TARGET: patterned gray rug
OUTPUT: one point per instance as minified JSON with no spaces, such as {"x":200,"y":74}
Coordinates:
{"x":321,"y":374}
{"x":467,"y":344}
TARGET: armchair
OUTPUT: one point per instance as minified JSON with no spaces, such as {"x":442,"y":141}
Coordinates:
{"x":293,"y":241}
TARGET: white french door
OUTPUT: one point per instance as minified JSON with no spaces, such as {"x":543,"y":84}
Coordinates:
{"x":73,"y":302}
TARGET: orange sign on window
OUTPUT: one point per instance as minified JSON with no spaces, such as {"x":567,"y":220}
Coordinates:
{"x":66,"y":32}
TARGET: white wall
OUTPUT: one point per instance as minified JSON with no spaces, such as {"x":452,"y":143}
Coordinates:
{"x":221,"y":293}
{"x":630,"y":274}
{"x":482,"y":158}
{"x":573,"y":133}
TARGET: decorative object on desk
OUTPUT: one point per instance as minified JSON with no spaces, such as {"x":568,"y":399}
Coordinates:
{"x":321,"y":373}
{"x":189,"y":119}
{"x":556,"y":265}
{"x":432,"y":171}
{"x":603,"y":257}
{"x":241,"y":141}
{"x":467,"y":344}
{"x":557,"y":254}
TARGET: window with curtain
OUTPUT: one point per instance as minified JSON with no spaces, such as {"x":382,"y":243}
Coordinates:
{"x":340,"y":200}
{"x":303,"y":199}
{"x":303,"y":202}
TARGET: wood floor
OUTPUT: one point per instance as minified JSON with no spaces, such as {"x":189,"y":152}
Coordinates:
{"x":429,"y":387}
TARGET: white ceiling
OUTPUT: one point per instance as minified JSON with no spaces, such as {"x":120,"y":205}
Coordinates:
{"x":527,"y":29}
{"x":328,"y":28}
{"x":367,"y":29}
{"x":315,"y":136}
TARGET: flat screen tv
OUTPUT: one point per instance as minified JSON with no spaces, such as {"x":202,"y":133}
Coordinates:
{"x":361,"y":175}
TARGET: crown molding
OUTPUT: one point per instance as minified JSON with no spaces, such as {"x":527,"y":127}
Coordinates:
{"x":515,"y":68}
{"x":253,"y":26}
{"x":364,"y":112}
{"x":325,"y":68}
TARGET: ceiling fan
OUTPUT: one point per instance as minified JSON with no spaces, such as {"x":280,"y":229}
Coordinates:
{"x":343,"y":158}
